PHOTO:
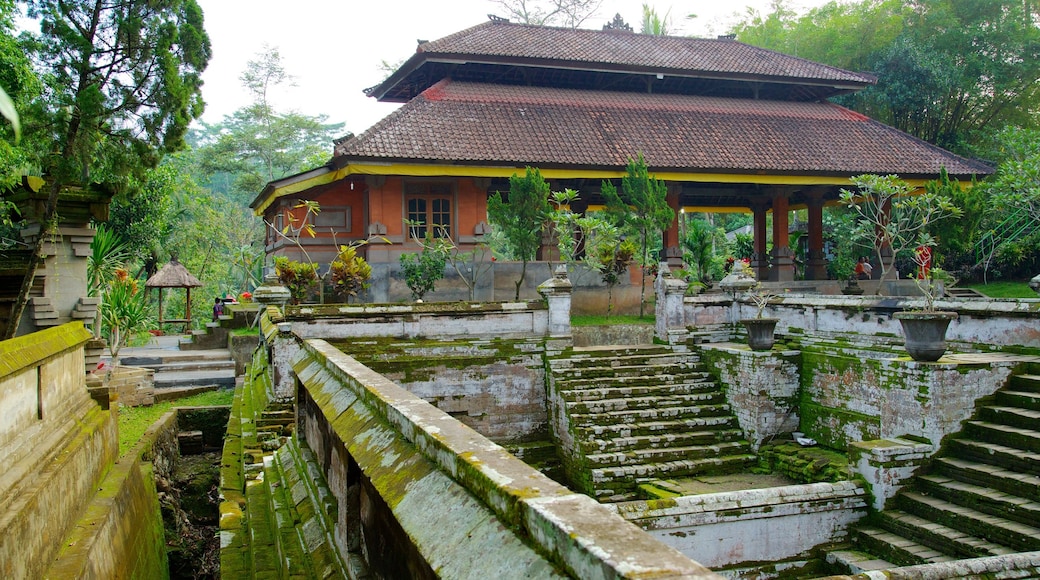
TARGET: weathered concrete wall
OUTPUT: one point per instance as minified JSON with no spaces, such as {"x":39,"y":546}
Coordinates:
{"x":984,"y":324}
{"x":759,"y":525}
{"x":762,"y":387}
{"x":848,"y":397}
{"x":465,"y":507}
{"x":121,"y":533}
{"x":498,"y":319}
{"x":496,"y":387}
{"x":613,"y":334}
{"x":55,"y":445}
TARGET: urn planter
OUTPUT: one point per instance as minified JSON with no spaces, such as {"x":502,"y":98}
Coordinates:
{"x":760,"y":332}
{"x":925,"y":333}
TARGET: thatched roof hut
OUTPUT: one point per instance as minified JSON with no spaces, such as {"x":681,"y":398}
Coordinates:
{"x":174,"y":275}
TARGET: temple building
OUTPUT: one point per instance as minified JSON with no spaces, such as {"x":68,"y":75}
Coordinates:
{"x":727,"y":126}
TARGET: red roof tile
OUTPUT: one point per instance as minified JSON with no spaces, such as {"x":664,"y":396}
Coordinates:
{"x":455,"y":122}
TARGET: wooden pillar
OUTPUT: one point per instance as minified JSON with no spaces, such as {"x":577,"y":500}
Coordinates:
{"x":782,"y":256}
{"x":816,"y":268}
{"x":672,"y":246}
{"x":760,"y":259}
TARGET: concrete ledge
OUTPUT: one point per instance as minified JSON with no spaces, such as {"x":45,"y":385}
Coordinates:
{"x":1022,"y":565}
{"x":567,"y":528}
{"x":30,"y":350}
{"x":758,"y":525}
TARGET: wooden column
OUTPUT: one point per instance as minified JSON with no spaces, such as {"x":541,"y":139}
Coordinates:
{"x":672,"y":246}
{"x":760,"y":259}
{"x":783,"y":257}
{"x":816,"y":268}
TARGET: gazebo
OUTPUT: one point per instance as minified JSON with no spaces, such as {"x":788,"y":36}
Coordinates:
{"x":174,"y":275}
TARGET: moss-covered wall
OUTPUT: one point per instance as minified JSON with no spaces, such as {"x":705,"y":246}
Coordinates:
{"x":495,"y":386}
{"x":846,"y":398}
{"x":761,"y":387}
{"x":56,"y":444}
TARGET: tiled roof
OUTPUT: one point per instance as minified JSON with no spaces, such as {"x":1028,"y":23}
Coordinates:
{"x":618,"y":52}
{"x":455,"y":122}
{"x":628,"y":49}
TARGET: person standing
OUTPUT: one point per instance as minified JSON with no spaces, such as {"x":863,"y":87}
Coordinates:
{"x":218,"y":308}
{"x":867,"y":268}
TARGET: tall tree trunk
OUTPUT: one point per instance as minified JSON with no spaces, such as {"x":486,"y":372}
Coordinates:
{"x":520,"y":281}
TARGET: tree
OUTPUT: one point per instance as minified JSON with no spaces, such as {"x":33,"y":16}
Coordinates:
{"x":641,"y":208}
{"x":699,"y":244}
{"x":653,"y":23}
{"x":891,"y":217}
{"x":948,"y":71}
{"x":568,"y":13}
{"x":521,"y":217}
{"x":257,"y":144}
{"x":123,"y":81}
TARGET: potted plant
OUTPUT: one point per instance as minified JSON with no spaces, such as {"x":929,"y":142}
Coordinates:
{"x":843,"y":268}
{"x":760,"y":330}
{"x":924,"y":329}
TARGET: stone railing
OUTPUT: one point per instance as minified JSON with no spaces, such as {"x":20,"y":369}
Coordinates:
{"x":431,"y":473}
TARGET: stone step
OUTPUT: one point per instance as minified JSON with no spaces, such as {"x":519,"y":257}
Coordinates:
{"x":290,"y":548}
{"x":1025,"y":382}
{"x":192,"y":365}
{"x":612,"y":478}
{"x":146,"y":357}
{"x":611,"y":372}
{"x":667,"y":455}
{"x":224,"y":378}
{"x":1023,"y":399}
{"x":935,"y":536}
{"x":565,"y":383}
{"x":1001,"y":535}
{"x":856,"y":562}
{"x":649,"y":415}
{"x":1013,"y":416}
{"x":617,"y":392}
{"x":678,"y":438}
{"x":983,"y":452}
{"x":642,"y":403}
{"x":661,"y":359}
{"x":656,"y":428}
{"x":895,"y":548}
{"x":984,"y":474}
{"x":1007,"y":435}
{"x":982,"y":498}
{"x":607,"y":351}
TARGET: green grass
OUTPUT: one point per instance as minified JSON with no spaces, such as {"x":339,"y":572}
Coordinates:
{"x":251,"y":331}
{"x":598,"y":320}
{"x":134,"y":421}
{"x":1004,"y":289}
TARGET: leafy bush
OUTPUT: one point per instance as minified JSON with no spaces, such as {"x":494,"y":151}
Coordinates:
{"x":423,"y":270}
{"x":298,"y":277}
{"x":350,"y":273}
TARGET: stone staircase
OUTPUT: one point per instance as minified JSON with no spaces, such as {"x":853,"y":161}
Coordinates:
{"x":277,"y":515}
{"x":180,"y":373}
{"x":980,"y":496}
{"x":643,"y":412}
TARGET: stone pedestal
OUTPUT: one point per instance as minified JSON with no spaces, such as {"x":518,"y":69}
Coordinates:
{"x":557,"y":292}
{"x":668,"y":312}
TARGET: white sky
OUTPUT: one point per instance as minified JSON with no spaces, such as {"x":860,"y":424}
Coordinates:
{"x":334,"y":48}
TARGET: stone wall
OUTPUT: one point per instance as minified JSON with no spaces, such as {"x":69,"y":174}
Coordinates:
{"x":849,"y":397}
{"x":55,"y":445}
{"x":761,"y":387}
{"x":495,"y":319}
{"x":758,"y":525}
{"x":448,"y":499}
{"x":982,"y":324}
{"x":495,"y":386}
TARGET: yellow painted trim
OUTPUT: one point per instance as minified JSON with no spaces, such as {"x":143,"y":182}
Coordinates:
{"x":432,"y":170}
